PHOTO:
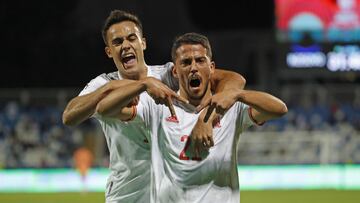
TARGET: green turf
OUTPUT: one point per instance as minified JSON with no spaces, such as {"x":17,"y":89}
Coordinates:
{"x":301,"y":196}
{"x":52,"y":197}
{"x":271,"y":196}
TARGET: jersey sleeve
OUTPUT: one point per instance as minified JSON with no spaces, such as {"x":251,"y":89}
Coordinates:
{"x":244,"y":120}
{"x":148,"y":111}
{"x":94,"y":84}
{"x":168,"y":78}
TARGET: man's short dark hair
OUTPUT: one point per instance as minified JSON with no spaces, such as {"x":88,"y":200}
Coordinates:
{"x":191,"y":38}
{"x":118,"y":16}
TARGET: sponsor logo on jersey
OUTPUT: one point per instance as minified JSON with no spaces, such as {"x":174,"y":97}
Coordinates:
{"x":172,"y":119}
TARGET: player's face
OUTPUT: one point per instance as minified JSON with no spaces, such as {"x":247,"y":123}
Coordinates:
{"x":193,"y":67}
{"x":126,"y":47}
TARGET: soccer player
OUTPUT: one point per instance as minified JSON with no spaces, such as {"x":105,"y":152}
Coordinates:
{"x":83,"y":159}
{"x":129,"y":149}
{"x":179,"y":173}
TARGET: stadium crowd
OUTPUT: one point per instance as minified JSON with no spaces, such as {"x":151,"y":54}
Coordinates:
{"x":33,"y":136}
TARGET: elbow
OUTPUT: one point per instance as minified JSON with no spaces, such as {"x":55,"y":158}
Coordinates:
{"x":282,"y":110}
{"x":67,"y":120}
{"x":243,"y":81}
{"x":238,"y":77}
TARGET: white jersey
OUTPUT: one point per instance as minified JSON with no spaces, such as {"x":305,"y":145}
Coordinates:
{"x":130,"y":159}
{"x":180,"y":176}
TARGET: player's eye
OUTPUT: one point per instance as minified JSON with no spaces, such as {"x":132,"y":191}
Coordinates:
{"x":117,"y":41}
{"x":201,"y":60}
{"x":132,"y":37}
{"x":185,"y":62}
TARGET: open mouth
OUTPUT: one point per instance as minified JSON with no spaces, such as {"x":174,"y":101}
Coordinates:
{"x":195,"y":81}
{"x":128,"y":58}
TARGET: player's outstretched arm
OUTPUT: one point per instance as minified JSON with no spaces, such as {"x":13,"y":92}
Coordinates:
{"x":82,"y":107}
{"x":112,"y":105}
{"x":264,"y":106}
{"x":114,"y":102}
{"x":222,"y":81}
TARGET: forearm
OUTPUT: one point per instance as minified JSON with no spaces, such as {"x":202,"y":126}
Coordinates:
{"x":113,"y":103}
{"x":266,"y":105}
{"x":223,"y":80}
{"x":81,"y":108}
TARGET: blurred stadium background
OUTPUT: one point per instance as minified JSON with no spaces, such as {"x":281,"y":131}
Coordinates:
{"x":305,"y":52}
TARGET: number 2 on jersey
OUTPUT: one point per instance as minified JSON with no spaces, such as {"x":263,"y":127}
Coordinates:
{"x":182,"y":156}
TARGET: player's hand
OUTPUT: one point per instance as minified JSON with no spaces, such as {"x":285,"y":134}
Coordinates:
{"x":162,"y":94}
{"x":220,"y":102}
{"x":202,"y":134}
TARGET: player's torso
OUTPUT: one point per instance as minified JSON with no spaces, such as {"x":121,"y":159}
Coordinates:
{"x":187,"y":176}
{"x":178,"y":151}
{"x":130,"y":157}
{"x":127,"y":141}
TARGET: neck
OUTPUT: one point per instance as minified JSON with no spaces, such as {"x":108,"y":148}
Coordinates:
{"x":143,"y":72}
{"x":196,"y":101}
{"x":140,"y":75}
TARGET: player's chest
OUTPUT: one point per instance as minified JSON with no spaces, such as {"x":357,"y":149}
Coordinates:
{"x":183,"y":123}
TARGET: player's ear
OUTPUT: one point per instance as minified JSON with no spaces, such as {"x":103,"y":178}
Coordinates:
{"x":174,"y":72}
{"x":212,"y":67}
{"x":144,"y":43}
{"x":108,"y":52}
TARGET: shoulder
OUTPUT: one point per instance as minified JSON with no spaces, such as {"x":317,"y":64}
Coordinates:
{"x":98,"y":81}
{"x":238,"y":108}
{"x":110,"y":76}
{"x":161,"y":67}
{"x":159,"y":70}
{"x":106,"y":77}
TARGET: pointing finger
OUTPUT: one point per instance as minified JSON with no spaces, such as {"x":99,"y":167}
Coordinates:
{"x":171,"y":106}
{"x":180,"y":98}
{"x":209,"y":112}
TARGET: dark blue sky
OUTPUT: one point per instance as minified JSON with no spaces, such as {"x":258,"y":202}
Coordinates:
{"x":58,"y":43}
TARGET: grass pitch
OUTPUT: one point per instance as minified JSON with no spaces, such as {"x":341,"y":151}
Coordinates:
{"x":267,"y":196}
{"x":71,"y":197}
{"x":300,"y":196}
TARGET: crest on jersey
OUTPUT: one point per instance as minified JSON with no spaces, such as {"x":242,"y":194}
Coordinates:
{"x":216,"y":123}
